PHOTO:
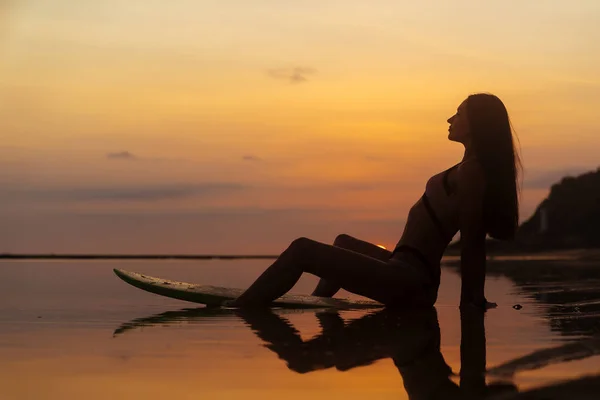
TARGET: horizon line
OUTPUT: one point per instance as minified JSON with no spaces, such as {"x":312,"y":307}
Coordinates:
{"x":59,"y":256}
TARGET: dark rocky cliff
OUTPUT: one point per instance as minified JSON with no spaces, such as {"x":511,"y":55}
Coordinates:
{"x":569,"y":218}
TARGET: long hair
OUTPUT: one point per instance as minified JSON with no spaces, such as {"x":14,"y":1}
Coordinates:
{"x":494,"y":147}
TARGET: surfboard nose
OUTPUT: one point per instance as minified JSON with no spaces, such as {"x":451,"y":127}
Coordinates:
{"x":118,"y":272}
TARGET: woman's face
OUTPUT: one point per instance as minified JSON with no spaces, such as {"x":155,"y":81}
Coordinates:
{"x":459,"y":125}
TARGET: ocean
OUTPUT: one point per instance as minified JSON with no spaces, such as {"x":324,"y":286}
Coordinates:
{"x":73,"y":330}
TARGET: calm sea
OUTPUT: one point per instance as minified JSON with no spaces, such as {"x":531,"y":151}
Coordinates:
{"x":73,"y":330}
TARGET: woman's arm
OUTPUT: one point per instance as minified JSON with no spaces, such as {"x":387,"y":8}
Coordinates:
{"x":471,"y":189}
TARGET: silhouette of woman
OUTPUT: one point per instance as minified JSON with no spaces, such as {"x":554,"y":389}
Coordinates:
{"x":477,"y":196}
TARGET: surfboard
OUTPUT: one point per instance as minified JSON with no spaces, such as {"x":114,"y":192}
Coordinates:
{"x":216,"y":296}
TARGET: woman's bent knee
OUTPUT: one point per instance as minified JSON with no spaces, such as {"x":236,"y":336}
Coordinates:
{"x":301,"y":247}
{"x":343,"y":240}
{"x":301,"y":242}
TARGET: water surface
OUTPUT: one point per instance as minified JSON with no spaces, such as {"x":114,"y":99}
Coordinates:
{"x":71,"y":330}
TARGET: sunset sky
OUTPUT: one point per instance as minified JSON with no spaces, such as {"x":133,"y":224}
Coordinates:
{"x":234,"y":126}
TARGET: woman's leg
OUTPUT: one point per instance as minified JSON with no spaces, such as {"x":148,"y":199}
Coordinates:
{"x":327,"y":288}
{"x":360,"y":274}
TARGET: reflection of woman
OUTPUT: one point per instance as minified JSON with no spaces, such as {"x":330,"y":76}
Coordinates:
{"x":477,"y":196}
{"x":412,"y":340}
{"x":343,"y":346}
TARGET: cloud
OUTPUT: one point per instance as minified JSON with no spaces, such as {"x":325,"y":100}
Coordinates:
{"x":292,"y":75}
{"x":126,"y":155}
{"x":121,"y":155}
{"x":133,"y":193}
{"x":250,"y":157}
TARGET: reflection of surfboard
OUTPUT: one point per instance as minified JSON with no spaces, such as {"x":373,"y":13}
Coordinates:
{"x":202,"y":314}
{"x":215,"y":296}
{"x":579,"y":350}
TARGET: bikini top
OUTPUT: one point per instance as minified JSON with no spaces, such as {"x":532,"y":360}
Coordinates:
{"x":445,"y":219}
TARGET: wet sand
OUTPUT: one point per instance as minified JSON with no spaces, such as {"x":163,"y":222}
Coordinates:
{"x":71,"y":329}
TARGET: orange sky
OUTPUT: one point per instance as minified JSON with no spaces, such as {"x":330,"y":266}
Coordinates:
{"x":230,"y":114}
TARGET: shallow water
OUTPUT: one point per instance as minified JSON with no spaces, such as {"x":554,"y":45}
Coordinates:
{"x":71,"y":330}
